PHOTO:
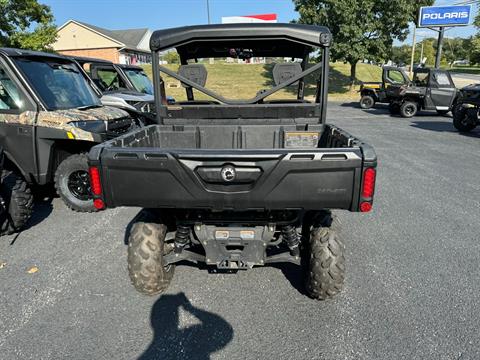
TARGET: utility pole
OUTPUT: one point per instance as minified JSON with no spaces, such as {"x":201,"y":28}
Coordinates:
{"x":208,"y":11}
{"x":413,"y":49}
{"x":439,"y":47}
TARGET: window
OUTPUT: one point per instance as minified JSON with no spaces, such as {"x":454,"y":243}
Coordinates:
{"x":59,"y":83}
{"x":395,"y":77}
{"x":442,"y":79}
{"x":109,"y":80}
{"x":421,"y":79}
{"x":140,"y":80}
{"x":10,"y":98}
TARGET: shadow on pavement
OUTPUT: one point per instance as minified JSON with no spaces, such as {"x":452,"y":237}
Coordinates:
{"x":442,"y":126}
{"x":208,"y":334}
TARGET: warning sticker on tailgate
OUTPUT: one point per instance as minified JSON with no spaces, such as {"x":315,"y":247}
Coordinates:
{"x":301,"y":139}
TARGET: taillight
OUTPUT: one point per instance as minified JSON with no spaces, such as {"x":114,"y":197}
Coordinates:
{"x":368,"y":182}
{"x":96,"y":186}
{"x":95,"y":181}
{"x":368,"y":188}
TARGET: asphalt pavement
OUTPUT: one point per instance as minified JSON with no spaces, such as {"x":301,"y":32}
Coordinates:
{"x":412,"y":287}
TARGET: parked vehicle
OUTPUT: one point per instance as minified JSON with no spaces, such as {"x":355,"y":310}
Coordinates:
{"x":125,"y":86}
{"x":16,"y":200}
{"x":376,"y":92}
{"x":50,"y":117}
{"x":430,"y":89}
{"x":237,"y":183}
{"x":465,"y":116}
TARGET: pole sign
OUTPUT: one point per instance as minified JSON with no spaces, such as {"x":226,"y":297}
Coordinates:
{"x":431,"y":16}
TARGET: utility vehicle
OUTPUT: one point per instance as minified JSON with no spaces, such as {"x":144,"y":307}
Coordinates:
{"x":465,"y":114}
{"x":50,"y":117}
{"x":125,"y":86}
{"x":237,"y":183}
{"x":16,"y":200}
{"x":430,"y":89}
{"x":376,"y":92}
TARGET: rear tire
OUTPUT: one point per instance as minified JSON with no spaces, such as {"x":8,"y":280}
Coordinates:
{"x":408,"y":109}
{"x":367,"y":102}
{"x":73,"y":183}
{"x":326,"y":260}
{"x":146,"y":248}
{"x":17,"y":203}
{"x":465,"y":119}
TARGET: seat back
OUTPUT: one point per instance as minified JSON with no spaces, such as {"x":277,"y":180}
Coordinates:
{"x":196,"y":73}
{"x":284,"y":71}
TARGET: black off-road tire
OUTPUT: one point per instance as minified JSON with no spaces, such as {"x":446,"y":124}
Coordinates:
{"x":465,"y":119}
{"x":326,"y":260}
{"x":17,"y":202}
{"x":367,"y":102}
{"x":408,"y":109}
{"x":73,"y":163}
{"x":146,"y":248}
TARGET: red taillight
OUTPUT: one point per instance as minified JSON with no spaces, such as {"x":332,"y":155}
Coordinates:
{"x":365,"y":206}
{"x":95,"y":183}
{"x":98,"y":204}
{"x":368,"y":183}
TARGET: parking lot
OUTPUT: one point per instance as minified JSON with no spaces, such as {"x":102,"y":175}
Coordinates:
{"x":412,"y":288}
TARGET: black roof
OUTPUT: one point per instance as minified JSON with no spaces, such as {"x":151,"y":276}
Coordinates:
{"x":238,"y":35}
{"x":84,"y":59}
{"x":13,"y":52}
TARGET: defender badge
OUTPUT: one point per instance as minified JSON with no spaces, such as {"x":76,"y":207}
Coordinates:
{"x":228,"y":173}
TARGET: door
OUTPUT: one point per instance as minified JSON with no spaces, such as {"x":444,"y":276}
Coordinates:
{"x":441,"y":90}
{"x":17,"y":116}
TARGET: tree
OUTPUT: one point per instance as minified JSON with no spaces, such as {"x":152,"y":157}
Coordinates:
{"x":18,"y":17}
{"x":362,"y":29}
{"x":171,"y":57}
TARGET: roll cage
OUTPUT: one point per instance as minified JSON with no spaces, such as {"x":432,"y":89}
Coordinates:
{"x":258,"y":40}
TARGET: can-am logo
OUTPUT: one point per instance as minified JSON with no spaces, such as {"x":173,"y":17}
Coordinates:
{"x":451,"y":15}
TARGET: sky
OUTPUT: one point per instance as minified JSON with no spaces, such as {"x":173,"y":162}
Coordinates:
{"x":159,"y":14}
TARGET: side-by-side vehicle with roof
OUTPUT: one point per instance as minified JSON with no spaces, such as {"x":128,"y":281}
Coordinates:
{"x":376,"y":92}
{"x":237,"y":183}
{"x":50,"y":117}
{"x":430,"y":89}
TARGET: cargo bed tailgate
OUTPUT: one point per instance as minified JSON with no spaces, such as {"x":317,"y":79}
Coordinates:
{"x":230,"y":179}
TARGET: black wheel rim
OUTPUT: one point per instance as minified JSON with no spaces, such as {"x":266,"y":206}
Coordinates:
{"x":409,"y":110}
{"x":79,"y":185}
{"x":367,"y":102}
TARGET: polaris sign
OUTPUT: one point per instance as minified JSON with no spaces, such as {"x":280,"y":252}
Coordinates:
{"x":444,"y":15}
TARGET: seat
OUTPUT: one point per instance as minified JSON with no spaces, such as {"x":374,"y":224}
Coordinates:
{"x":284,"y":71}
{"x":196,"y":73}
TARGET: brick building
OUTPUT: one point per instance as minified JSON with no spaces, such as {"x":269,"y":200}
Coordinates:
{"x":120,"y":46}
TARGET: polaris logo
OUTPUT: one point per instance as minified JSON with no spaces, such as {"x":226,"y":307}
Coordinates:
{"x":457,"y":15}
{"x":452,"y":15}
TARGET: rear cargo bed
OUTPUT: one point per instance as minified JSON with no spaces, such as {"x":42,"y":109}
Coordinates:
{"x":167,"y":166}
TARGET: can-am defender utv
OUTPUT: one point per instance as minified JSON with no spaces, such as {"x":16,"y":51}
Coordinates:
{"x":237,"y":183}
{"x":50,"y":117}
{"x":430,"y":89}
{"x":376,"y":92}
{"x":465,"y":114}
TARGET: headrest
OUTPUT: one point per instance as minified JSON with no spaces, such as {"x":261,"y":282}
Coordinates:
{"x":284,"y":71}
{"x":196,"y":73}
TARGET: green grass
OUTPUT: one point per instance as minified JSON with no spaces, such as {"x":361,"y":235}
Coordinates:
{"x":242,"y":81}
{"x":465,"y":69}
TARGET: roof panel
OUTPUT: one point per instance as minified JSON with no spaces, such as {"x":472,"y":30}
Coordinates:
{"x":307,"y":34}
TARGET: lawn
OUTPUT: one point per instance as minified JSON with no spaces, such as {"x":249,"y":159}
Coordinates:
{"x":465,"y":69}
{"x":242,"y":81}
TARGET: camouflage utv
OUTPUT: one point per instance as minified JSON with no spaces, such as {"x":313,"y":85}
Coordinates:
{"x":50,"y":117}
